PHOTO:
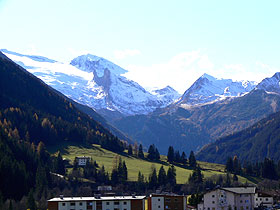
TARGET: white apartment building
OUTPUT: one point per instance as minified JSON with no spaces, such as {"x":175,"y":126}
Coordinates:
{"x":236,"y":198}
{"x":97,"y":203}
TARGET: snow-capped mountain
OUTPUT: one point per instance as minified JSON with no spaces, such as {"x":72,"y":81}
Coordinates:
{"x":271,"y":84}
{"x":92,"y":81}
{"x":209,"y":89}
{"x":168,"y":95}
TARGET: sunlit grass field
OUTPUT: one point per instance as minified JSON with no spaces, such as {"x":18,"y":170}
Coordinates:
{"x":134,"y":165}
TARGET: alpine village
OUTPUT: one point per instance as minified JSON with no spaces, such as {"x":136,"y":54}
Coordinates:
{"x":83,"y":135}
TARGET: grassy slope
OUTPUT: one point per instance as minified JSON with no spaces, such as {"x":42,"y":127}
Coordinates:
{"x":134,"y":165}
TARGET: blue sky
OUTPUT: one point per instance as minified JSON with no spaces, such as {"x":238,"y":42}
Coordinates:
{"x":160,"y":42}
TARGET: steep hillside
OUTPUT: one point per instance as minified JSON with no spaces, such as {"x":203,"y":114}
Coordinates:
{"x":31,"y":110}
{"x":190,"y":127}
{"x":252,"y":144}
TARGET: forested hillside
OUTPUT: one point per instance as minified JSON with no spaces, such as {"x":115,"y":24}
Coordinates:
{"x":252,"y":144}
{"x":31,"y":110}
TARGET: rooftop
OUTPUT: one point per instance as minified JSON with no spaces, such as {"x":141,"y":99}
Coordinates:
{"x":240,"y":190}
{"x":96,"y":198}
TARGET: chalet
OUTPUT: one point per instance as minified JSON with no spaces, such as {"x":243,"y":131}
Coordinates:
{"x":82,"y":161}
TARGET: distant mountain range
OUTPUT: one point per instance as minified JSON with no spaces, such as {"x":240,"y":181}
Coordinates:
{"x":97,"y":83}
{"x":189,"y":127}
{"x":210,"y":109}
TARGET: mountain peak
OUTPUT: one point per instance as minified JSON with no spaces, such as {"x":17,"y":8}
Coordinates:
{"x":209,"y":77}
{"x":91,"y":63}
{"x":270,"y":84}
{"x":209,"y":89}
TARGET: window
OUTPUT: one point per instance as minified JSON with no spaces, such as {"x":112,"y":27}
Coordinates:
{"x":208,"y":208}
{"x":72,"y":204}
{"x":159,"y":199}
{"x":256,"y":199}
{"x":266,"y":199}
{"x":241,"y":201}
{"x":213,"y":196}
{"x":124,"y":203}
{"x":107,"y":203}
{"x":222,"y":196}
{"x":81,"y":203}
{"x":159,"y":207}
{"x":260,"y":199}
{"x":116,"y":203}
{"x":63,"y":204}
{"x":167,"y":199}
{"x":247,"y":207}
{"x":213,"y":201}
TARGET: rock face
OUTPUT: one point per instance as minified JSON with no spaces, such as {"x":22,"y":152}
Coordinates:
{"x":95,"y":82}
{"x":271,"y":84}
{"x":209,"y":89}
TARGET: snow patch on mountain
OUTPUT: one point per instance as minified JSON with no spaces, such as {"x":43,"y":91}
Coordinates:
{"x":208,"y":89}
{"x":271,"y":84}
{"x":92,"y":81}
{"x":168,"y":95}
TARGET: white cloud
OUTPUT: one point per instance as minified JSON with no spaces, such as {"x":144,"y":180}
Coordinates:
{"x":122,"y":54}
{"x":179,"y":72}
{"x":183,"y":69}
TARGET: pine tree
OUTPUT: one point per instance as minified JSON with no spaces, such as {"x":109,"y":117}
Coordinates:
{"x":153,"y":178}
{"x":170,"y":154}
{"x":228,"y":180}
{"x":157,"y":155}
{"x":124,"y":172}
{"x":31,"y":201}
{"x":114,"y":177}
{"x":140,"y":152}
{"x":229,"y":165}
{"x":196,"y":177}
{"x":162,"y":178}
{"x":130,"y":150}
{"x":236,"y":165}
{"x":10,"y":205}
{"x":177,"y":156}
{"x":151,"y":152}
{"x":183,"y":157}
{"x":171,"y":175}
{"x":140,"y":182}
{"x":192,"y":160}
{"x":59,"y":165}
